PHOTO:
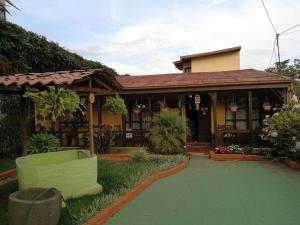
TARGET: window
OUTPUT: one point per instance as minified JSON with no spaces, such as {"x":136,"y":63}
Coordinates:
{"x":256,"y":113}
{"x":237,"y":120}
{"x":187,"y":70}
{"x":138,"y":121}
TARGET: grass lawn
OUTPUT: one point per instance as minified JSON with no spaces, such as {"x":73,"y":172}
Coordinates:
{"x":7,"y":164}
{"x":116,"y":179}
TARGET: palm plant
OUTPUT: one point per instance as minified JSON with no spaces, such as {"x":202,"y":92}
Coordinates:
{"x":4,"y":3}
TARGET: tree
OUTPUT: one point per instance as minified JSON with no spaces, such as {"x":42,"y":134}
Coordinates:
{"x":290,"y":70}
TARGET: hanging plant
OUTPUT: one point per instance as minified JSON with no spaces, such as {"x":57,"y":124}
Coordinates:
{"x":137,"y":108}
{"x":233,"y":107}
{"x":115,"y":105}
{"x":267,"y":106}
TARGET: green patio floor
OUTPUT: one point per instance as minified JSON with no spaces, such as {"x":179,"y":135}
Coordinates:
{"x":218,"y":193}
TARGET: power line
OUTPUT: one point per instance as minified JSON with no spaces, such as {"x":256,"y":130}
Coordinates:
{"x":273,"y":51}
{"x":291,"y":32}
{"x":269,"y":16}
{"x":290,"y":28}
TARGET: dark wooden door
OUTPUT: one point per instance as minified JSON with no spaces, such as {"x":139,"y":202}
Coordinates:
{"x":204,"y":119}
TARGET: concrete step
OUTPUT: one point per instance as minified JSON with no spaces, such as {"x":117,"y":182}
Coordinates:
{"x":199,"y":149}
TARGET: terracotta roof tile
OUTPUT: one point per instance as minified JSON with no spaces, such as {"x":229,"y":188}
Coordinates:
{"x":234,"y":77}
{"x":48,"y":78}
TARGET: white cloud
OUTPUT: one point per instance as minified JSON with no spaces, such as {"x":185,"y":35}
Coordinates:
{"x":160,"y":40}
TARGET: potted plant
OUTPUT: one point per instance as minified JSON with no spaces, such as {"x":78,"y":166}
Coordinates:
{"x":137,"y":108}
{"x":267,"y":106}
{"x":115,"y":105}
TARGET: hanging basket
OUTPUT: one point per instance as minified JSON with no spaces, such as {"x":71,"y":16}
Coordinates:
{"x":233,"y":108}
{"x":267,"y":107}
{"x":136,"y":110}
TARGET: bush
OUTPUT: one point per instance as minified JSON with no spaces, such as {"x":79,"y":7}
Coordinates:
{"x":139,"y":155}
{"x":283,"y":128}
{"x":167,"y":134}
{"x":115,"y":105}
{"x":103,"y":138}
{"x":10,"y":143}
{"x":43,"y":142}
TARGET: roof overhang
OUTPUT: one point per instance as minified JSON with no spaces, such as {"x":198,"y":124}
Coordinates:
{"x":204,"y":88}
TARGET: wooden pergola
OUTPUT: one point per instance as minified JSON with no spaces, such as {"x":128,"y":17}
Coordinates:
{"x":84,"y":82}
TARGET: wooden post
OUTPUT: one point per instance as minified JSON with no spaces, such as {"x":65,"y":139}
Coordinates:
{"x":150,"y":105}
{"x":214,"y":98}
{"x":250,"y":111}
{"x":23,"y":123}
{"x":100,"y":110}
{"x":91,"y":123}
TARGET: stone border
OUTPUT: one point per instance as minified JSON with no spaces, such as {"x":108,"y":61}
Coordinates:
{"x":239,"y":157}
{"x":293,"y":164}
{"x":102,"y":216}
{"x":8,"y":173}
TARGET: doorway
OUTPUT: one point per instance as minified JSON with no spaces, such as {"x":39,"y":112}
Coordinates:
{"x":198,"y":119}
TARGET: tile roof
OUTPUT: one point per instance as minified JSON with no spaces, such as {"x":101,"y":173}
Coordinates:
{"x":48,"y":78}
{"x":234,"y":77}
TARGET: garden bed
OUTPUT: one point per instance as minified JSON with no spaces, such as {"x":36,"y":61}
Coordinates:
{"x":117,"y":179}
{"x":293,"y":164}
{"x":240,"y":157}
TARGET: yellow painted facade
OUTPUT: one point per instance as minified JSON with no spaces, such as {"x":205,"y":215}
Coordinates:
{"x":219,"y":62}
{"x":112,"y":119}
{"x":220,"y":114}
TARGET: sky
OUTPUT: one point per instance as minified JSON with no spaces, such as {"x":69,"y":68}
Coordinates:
{"x":145,"y":36}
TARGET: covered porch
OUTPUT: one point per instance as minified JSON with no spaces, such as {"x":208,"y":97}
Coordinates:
{"x":207,"y":113}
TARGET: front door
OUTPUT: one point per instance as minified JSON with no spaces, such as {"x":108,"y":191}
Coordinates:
{"x":204,"y":119}
{"x":198,"y":119}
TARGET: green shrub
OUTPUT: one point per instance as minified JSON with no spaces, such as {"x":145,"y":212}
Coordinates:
{"x":103,"y":139}
{"x":43,"y":142}
{"x":139,"y":155}
{"x":167,"y":134}
{"x":115,"y":105}
{"x":283,"y":128}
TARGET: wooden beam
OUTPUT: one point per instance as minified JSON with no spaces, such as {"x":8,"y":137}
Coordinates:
{"x":91,"y":90}
{"x":91,"y":125}
{"x":250,"y":111}
{"x":23,"y":124}
{"x":102,"y":84}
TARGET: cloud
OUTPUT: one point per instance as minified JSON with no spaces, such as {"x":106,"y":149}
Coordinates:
{"x":137,"y":43}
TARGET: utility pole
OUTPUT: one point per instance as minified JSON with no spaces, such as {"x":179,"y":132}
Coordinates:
{"x":278,"y":53}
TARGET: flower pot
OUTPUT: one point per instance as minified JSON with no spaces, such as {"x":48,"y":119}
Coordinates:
{"x":267,"y":107}
{"x":136,"y":110}
{"x":233,"y":108}
{"x":23,"y":206}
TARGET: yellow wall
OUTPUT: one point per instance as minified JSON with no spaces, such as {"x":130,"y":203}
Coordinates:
{"x":219,"y":62}
{"x":220,"y":114}
{"x":111,"y":119}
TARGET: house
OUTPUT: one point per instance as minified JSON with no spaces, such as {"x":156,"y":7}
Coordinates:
{"x":221,"y":103}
